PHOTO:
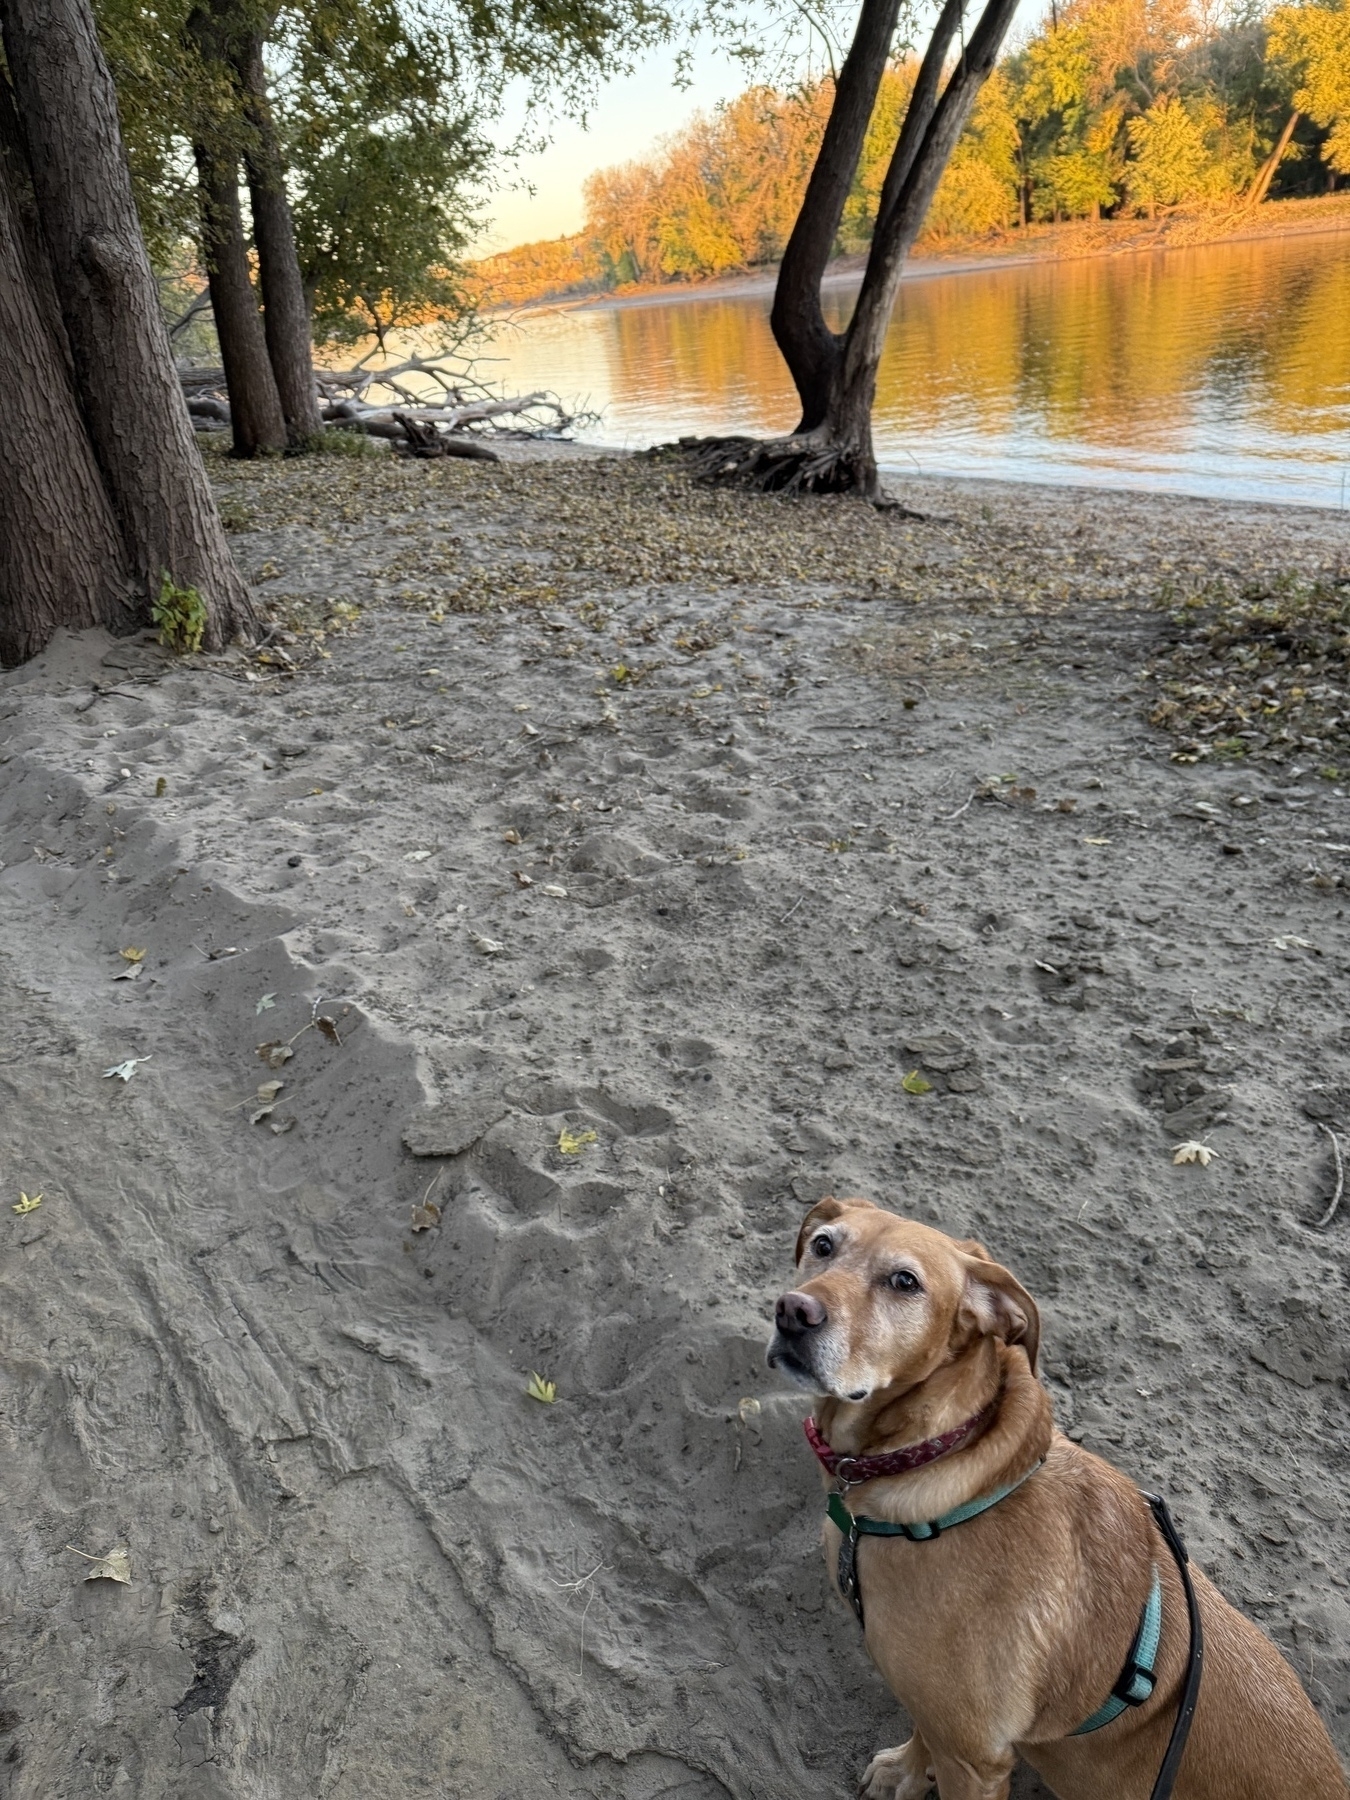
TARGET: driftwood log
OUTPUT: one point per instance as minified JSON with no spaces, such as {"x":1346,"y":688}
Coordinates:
{"x":446,"y":413}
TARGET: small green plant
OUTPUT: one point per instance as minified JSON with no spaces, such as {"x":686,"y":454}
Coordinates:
{"x":180,"y":613}
{"x":340,"y":440}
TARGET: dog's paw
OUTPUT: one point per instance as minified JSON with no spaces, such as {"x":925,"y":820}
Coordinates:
{"x":900,"y":1774}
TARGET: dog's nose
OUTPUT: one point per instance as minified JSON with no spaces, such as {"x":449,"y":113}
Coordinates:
{"x":797,"y":1312}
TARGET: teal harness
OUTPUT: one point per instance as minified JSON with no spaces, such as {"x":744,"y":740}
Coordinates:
{"x":1136,"y":1681}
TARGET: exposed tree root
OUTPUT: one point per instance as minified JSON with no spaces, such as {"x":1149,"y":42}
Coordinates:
{"x":791,"y":465}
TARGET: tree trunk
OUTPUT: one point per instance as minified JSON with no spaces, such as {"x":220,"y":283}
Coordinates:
{"x":62,"y":561}
{"x":285,"y":313}
{"x":810,"y":349}
{"x":129,"y":391}
{"x":1266,"y":173}
{"x":256,"y":418}
{"x":917,"y":164}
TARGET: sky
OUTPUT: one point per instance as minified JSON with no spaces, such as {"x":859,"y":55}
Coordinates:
{"x":629,"y":115}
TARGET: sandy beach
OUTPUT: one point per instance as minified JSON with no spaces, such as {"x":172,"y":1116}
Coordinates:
{"x":483,"y":979}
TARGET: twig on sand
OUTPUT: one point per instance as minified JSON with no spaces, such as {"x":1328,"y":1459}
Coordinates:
{"x":792,"y":909}
{"x":578,"y":1585}
{"x":1330,"y":1213}
{"x":962,"y":808}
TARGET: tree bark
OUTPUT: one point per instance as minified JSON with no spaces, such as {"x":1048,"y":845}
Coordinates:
{"x":1266,"y":173}
{"x":130,"y":396}
{"x":62,"y":561}
{"x":285,"y":312}
{"x":921,"y":155}
{"x":810,"y":349}
{"x":256,"y":419}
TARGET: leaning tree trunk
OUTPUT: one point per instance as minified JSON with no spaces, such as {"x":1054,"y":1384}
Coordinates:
{"x":285,"y":313}
{"x":129,"y":392}
{"x":62,"y":561}
{"x":921,"y":155}
{"x":809,"y":348}
{"x":256,"y":418}
{"x":836,"y":376}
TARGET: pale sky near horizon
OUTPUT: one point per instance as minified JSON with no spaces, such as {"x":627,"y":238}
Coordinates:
{"x":630,"y":114}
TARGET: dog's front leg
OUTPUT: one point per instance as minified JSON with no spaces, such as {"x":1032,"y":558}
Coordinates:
{"x":987,"y":1779}
{"x":905,"y":1773}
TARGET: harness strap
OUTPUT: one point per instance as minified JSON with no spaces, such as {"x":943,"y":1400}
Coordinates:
{"x":855,"y":1525}
{"x":1137,"y":1679}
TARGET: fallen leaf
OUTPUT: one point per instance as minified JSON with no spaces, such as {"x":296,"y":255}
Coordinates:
{"x":1067,"y":804}
{"x":161,"y":787}
{"x":1096,"y":840}
{"x":125,"y":1070}
{"x":130,"y":973}
{"x":914,"y":1083}
{"x":275,"y":1055}
{"x":417,"y":856}
{"x":521,"y":878}
{"x":486,"y":946}
{"x":1192,"y":1153}
{"x":425,"y":1216}
{"x":132,"y":955}
{"x":749,"y":1408}
{"x":554,"y":892}
{"x":115,"y":1566}
{"x":542,"y":1390}
{"x":511,"y":837}
{"x":268,"y":1000}
{"x":1291,"y":943}
{"x":327,"y":1028}
{"x":27,"y":1203}
{"x":572,"y":1143}
{"x":263,"y":1112}
{"x":279,"y":1127}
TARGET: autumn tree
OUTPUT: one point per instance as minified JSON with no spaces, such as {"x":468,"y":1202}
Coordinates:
{"x":835,"y":373}
{"x":1313,"y":43}
{"x":105,"y":505}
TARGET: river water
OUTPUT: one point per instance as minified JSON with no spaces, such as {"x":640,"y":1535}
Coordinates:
{"x":1222,"y":369}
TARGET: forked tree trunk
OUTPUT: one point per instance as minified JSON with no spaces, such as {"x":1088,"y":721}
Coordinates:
{"x":917,"y":164}
{"x":285,"y":313}
{"x":256,"y":418}
{"x":810,"y":349}
{"x":836,"y":375}
{"x":62,"y":561}
{"x":130,"y":397}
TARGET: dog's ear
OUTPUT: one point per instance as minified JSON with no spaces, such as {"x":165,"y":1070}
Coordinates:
{"x":824,"y":1212}
{"x":973,"y":1247}
{"x":995,"y":1304}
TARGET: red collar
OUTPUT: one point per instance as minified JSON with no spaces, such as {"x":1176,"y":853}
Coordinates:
{"x":852,"y":1471}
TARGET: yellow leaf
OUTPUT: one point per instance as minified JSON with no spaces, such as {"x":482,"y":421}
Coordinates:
{"x":914,"y":1083}
{"x":115,"y":1566}
{"x":27,"y":1203}
{"x":132,"y":955}
{"x":1192,"y":1153}
{"x":539,"y":1389}
{"x":572,"y":1143}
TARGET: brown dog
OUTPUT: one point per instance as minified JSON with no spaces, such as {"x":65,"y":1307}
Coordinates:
{"x":1008,"y":1630}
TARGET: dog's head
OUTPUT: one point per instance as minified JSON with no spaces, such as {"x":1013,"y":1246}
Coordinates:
{"x":883,"y":1302}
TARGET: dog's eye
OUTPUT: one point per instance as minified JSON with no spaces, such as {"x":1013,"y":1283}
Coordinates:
{"x":905,"y":1283}
{"x":822,"y":1243}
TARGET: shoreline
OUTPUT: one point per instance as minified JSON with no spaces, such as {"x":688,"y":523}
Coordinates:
{"x":1326,"y":215}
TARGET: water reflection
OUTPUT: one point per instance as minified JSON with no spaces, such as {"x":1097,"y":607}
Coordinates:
{"x":1223,"y":369}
